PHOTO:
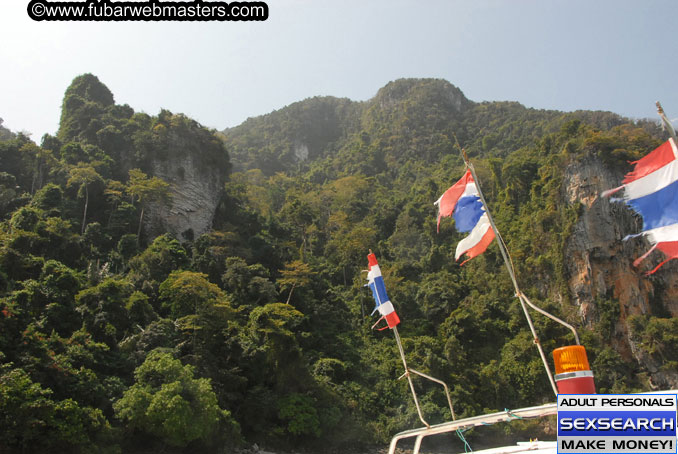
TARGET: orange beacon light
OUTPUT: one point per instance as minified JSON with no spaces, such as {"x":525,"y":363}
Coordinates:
{"x":573,"y":373}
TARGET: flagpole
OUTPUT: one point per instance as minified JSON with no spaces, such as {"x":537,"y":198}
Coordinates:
{"x":379,"y":292}
{"x":666,"y":122}
{"x":509,"y":265}
{"x":394,"y":328}
{"x":375,"y":282}
{"x":409,"y":377}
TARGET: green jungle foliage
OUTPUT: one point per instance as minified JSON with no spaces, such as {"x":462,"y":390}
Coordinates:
{"x":259,"y":331}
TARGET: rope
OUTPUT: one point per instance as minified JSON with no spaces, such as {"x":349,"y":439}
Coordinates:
{"x":511,"y":415}
{"x":380,"y":319}
{"x":467,"y":447}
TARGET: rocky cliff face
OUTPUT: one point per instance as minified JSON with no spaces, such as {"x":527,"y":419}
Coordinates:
{"x":196,"y":172}
{"x":172,"y":147}
{"x":600,"y":263}
{"x":195,"y":193}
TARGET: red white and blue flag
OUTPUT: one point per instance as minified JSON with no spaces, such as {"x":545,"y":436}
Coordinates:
{"x":651,"y":189}
{"x":376,"y":283}
{"x":463,"y":202}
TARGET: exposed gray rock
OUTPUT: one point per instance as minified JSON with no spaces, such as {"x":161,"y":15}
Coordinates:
{"x":600,"y":263}
{"x":196,"y":190}
{"x":301,"y":152}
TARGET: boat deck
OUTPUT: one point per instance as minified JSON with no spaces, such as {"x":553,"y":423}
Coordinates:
{"x":542,"y":447}
{"x":474,"y":421}
{"x":532,"y":447}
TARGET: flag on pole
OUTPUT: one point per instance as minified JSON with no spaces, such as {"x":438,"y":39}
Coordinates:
{"x":651,"y":189}
{"x":463,"y":202}
{"x":376,"y":283}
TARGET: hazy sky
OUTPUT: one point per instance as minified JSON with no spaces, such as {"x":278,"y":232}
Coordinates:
{"x":616,"y":55}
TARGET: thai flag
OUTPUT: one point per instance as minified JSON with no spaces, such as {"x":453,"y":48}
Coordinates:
{"x":651,"y":189}
{"x":376,"y":283}
{"x":462,"y":201}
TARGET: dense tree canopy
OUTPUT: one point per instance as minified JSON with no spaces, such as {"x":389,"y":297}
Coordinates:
{"x":116,"y":340}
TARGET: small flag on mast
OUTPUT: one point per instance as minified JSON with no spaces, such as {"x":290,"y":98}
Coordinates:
{"x":651,"y":189}
{"x":376,"y":283}
{"x":462,"y":201}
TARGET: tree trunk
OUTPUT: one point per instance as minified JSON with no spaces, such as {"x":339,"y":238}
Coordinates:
{"x":110,"y":216}
{"x":290,"y":295}
{"x":33,"y":181}
{"x":84,"y":216}
{"x":141,"y":219}
{"x":40,"y":174}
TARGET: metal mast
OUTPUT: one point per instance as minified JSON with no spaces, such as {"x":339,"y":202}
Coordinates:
{"x":524,"y":301}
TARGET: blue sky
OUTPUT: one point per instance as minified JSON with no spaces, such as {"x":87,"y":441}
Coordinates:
{"x":619,"y":55}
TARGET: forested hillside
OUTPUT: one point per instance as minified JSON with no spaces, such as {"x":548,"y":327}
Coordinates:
{"x":168,"y":288}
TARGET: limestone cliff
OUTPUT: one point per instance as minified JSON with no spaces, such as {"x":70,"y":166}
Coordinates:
{"x":195,"y":193}
{"x":195,"y":165}
{"x":173,"y":147}
{"x":600,"y":267}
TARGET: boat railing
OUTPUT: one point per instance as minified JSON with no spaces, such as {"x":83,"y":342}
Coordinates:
{"x":483,"y":420}
{"x":473,"y":421}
